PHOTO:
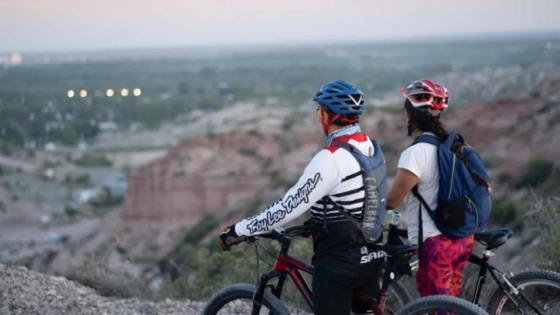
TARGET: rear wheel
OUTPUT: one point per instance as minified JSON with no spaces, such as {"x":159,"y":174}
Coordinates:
{"x":440,"y":304}
{"x":237,"y":299}
{"x":539,"y":288}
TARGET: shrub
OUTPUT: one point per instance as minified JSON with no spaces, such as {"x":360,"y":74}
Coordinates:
{"x":504,"y":213}
{"x":255,"y":133}
{"x":247,"y":151}
{"x":544,"y":217}
{"x":503,"y":178}
{"x":492,"y":162}
{"x":211,"y":269}
{"x":94,"y":273}
{"x":70,"y":211}
{"x":201,"y":229}
{"x":93,"y":160}
{"x":538,"y":171}
{"x":288,"y":123}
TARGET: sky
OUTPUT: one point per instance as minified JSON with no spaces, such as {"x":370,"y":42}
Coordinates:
{"x":62,"y":25}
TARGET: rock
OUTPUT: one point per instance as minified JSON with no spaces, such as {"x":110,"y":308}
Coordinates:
{"x":31,"y":293}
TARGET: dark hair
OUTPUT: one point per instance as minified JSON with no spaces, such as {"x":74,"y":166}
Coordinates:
{"x":424,"y":121}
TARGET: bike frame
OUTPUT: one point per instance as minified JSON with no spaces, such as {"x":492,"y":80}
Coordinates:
{"x":505,"y":285}
{"x":286,"y":265}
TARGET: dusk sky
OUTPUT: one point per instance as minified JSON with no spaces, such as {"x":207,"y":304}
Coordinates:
{"x":59,"y":25}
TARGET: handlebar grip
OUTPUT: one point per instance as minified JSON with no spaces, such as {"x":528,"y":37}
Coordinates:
{"x":230,"y":240}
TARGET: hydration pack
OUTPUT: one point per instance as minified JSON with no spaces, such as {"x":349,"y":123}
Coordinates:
{"x":374,"y":176}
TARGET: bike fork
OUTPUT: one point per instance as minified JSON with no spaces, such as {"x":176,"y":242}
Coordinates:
{"x":259,"y":294}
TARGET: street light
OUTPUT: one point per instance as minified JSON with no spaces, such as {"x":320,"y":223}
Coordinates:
{"x":70,"y":93}
{"x":137,"y":92}
{"x":110,"y":92}
{"x":83,"y":93}
{"x":124,"y":92}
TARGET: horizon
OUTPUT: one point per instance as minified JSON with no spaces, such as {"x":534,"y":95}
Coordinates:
{"x":531,"y":35}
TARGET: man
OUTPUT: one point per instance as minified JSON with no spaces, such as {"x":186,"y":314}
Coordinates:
{"x":332,"y":187}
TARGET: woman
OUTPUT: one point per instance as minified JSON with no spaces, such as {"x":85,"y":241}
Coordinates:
{"x":343,"y":263}
{"x":443,"y":259}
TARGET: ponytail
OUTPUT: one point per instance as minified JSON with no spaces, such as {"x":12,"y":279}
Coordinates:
{"x":436,"y":127}
{"x":424,"y":121}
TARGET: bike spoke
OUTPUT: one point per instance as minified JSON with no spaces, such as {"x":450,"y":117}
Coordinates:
{"x":545,"y":299}
{"x":241,"y":307}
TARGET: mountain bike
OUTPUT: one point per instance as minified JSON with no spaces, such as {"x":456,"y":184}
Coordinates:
{"x":512,"y":295}
{"x":264,"y":294}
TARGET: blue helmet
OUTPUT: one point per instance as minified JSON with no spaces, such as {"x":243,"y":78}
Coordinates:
{"x":341,"y":98}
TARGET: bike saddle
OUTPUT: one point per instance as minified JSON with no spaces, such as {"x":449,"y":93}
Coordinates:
{"x":395,"y":250}
{"x":493,"y":239}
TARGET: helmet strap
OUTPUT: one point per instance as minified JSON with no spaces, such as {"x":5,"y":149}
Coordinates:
{"x":327,"y":124}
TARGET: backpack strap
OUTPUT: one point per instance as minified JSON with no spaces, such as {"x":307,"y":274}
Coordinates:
{"x":423,"y":202}
{"x":340,"y":209}
{"x":324,"y":223}
{"x":328,"y":199}
{"x":426,"y":138}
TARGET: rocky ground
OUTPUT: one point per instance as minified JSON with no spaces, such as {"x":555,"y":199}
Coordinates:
{"x":27,"y":292}
{"x":32,"y":293}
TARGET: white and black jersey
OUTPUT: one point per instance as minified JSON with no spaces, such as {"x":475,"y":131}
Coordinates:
{"x":332,"y":172}
{"x":351,"y":198}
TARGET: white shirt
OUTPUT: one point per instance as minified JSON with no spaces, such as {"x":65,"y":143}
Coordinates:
{"x":332,"y":172}
{"x":421,"y":160}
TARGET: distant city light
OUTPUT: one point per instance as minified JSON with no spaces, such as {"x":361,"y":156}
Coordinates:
{"x":70,"y":93}
{"x":15,"y":59}
{"x":124,"y":92}
{"x":83,"y":93}
{"x":137,"y":92}
{"x":110,"y":92}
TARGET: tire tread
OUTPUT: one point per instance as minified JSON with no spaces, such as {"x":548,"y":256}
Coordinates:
{"x":434,"y":303}
{"x":242,"y":290}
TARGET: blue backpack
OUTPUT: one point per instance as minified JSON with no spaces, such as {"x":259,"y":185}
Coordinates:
{"x":374,"y":176}
{"x":464,"y":203}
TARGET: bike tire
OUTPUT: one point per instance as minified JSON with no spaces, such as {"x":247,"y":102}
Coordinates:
{"x":499,"y":298}
{"x":242,"y":291}
{"x":441,"y":303}
{"x":400,"y":293}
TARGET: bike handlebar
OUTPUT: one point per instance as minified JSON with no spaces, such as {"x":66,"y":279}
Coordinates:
{"x":282,"y":235}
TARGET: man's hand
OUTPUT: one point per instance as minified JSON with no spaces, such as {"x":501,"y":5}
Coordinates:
{"x":228,"y":238}
{"x":307,"y":224}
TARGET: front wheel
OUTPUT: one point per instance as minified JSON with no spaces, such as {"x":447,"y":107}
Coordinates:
{"x":398,"y":296}
{"x":538,"y":289}
{"x":441,"y":304}
{"x":240,"y":299}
